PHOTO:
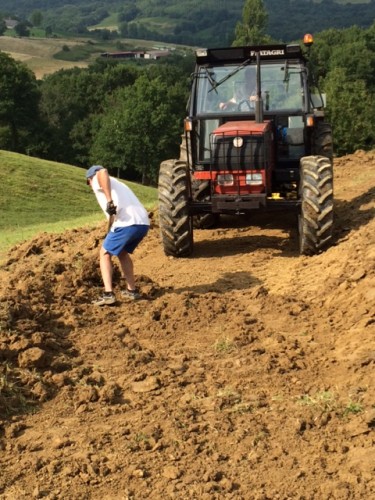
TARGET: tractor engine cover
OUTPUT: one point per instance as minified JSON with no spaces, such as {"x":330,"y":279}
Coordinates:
{"x":240,"y":152}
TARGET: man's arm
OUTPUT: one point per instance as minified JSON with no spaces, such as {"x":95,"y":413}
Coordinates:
{"x":105,"y":184}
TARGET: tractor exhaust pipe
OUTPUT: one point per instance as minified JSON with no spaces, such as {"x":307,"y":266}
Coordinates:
{"x":259,"y":100}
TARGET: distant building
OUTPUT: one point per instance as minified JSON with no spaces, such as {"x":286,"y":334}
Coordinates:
{"x":156,"y":54}
{"x":153,"y":54}
{"x":10,"y":23}
{"x":123,"y":55}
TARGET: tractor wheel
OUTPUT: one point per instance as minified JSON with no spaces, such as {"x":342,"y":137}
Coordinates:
{"x":175,"y":222}
{"x":202,"y":192}
{"x":322,"y":140}
{"x":315,"y":221}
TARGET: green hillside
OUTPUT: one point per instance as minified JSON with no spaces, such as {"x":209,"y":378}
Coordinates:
{"x":43,"y":196}
{"x":192,"y":22}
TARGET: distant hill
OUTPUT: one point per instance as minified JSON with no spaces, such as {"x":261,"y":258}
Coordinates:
{"x":192,"y":22}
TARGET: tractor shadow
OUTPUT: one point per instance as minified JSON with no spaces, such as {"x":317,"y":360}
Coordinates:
{"x":349,"y":215}
{"x":285,"y":243}
{"x":227,"y":282}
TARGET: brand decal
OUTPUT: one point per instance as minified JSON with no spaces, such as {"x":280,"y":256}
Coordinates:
{"x":274,"y":52}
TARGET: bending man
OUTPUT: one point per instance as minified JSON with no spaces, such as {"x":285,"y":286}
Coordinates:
{"x":128,"y":225}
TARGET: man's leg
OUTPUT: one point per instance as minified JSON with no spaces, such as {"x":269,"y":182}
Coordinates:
{"x":127,"y":269}
{"x":106,"y":269}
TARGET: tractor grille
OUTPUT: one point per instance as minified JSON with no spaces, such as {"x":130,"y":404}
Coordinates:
{"x":237,"y":152}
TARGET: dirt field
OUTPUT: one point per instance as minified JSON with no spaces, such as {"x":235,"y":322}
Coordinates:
{"x":247,"y":372}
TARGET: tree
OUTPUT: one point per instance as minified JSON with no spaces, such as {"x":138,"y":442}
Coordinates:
{"x":36,"y":18}
{"x":128,"y":13}
{"x":142,"y":126}
{"x":123,"y":29}
{"x":19,"y":101}
{"x":344,"y":63}
{"x":351,"y":110}
{"x":22,"y":28}
{"x":71,"y":99}
{"x":251,"y":31}
{"x":3,"y":27}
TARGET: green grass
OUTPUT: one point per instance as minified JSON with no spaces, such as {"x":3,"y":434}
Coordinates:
{"x":159,"y":24}
{"x":109,"y":22}
{"x":76,"y":53}
{"x":224,"y":346}
{"x":43,"y":196}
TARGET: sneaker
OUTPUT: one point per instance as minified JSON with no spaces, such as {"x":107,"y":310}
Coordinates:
{"x":107,"y":299}
{"x":131,"y":294}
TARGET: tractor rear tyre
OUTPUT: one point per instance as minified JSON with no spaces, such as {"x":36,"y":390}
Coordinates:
{"x":175,"y":222}
{"x":315,"y":221}
{"x":322,"y":139}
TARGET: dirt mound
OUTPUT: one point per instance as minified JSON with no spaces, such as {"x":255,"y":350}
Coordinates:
{"x":246,"y":372}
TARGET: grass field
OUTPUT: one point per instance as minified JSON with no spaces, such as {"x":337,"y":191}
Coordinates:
{"x":47,"y":55}
{"x":43,"y":196}
{"x":37,"y":53}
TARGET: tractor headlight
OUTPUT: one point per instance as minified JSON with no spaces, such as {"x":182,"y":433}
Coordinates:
{"x":254,"y":179}
{"x":201,"y":52}
{"x":225,"y":179}
{"x":238,"y":142}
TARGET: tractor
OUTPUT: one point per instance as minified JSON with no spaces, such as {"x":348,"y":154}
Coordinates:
{"x":255,"y":138}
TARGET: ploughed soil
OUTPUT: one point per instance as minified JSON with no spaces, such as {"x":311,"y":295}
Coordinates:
{"x":246,"y":372}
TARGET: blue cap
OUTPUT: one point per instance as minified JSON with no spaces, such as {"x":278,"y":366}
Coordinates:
{"x":92,"y":171}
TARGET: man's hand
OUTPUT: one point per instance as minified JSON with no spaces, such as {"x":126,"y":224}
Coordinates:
{"x":111,"y":208}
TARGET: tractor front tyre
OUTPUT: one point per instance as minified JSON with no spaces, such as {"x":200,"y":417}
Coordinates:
{"x":175,"y":222}
{"x":201,"y":191}
{"x":315,"y":221}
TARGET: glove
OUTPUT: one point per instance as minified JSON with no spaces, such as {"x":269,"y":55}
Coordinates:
{"x":111,"y":208}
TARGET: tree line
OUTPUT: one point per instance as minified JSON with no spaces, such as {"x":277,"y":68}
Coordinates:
{"x":129,"y":115}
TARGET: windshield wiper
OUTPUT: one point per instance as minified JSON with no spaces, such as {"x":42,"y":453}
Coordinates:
{"x":211,"y":80}
{"x":229,"y":75}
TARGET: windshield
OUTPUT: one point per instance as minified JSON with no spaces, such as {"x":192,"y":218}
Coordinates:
{"x":233,"y":89}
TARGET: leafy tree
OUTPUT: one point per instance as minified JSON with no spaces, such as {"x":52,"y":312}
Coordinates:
{"x":36,"y":18}
{"x":251,"y":31}
{"x":3,"y":27}
{"x":19,"y":101}
{"x":344,"y":63}
{"x":128,"y":13}
{"x":71,"y":99}
{"x":351,"y":110}
{"x":133,"y":30}
{"x":123,"y":29}
{"x":22,"y":28}
{"x":142,"y":126}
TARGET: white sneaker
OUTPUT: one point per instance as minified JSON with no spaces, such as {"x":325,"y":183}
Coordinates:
{"x":107,"y":299}
{"x":131,"y":294}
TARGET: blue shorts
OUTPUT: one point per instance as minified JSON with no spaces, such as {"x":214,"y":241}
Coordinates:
{"x":124,"y":238}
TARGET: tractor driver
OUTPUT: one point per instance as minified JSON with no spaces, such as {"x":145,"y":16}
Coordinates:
{"x":243,"y":92}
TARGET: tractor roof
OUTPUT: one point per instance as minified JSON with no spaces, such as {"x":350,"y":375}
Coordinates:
{"x":248,"y":53}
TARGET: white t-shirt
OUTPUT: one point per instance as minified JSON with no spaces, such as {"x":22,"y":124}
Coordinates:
{"x":130,"y":210}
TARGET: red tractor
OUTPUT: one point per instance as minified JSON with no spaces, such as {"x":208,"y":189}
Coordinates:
{"x":255,"y":139}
